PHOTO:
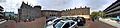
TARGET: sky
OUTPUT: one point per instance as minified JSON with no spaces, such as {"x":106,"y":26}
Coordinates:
{"x":95,"y":5}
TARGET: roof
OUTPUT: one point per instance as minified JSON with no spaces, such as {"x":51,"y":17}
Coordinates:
{"x":50,"y":11}
{"x":37,"y":6}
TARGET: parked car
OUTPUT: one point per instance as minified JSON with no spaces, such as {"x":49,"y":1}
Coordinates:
{"x":54,"y":21}
{"x":26,"y":20}
{"x":50,"y":19}
{"x":50,"y":24}
{"x":66,"y":24}
{"x":80,"y":21}
{"x":1,"y":20}
{"x":31,"y":19}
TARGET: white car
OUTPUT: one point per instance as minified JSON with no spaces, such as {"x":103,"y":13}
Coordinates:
{"x":53,"y":21}
{"x":66,"y":24}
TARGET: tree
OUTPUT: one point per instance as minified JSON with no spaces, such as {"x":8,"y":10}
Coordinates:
{"x":100,"y":13}
{"x":95,"y":14}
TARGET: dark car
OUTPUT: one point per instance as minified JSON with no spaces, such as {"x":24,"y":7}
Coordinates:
{"x":57,"y":20}
{"x":31,"y":19}
{"x":50,"y":19}
{"x":26,"y":20}
{"x":80,"y":21}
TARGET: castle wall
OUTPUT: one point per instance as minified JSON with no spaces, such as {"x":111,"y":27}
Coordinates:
{"x":28,"y":12}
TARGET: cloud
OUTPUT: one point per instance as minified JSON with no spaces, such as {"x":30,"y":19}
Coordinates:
{"x":31,"y":2}
{"x":55,"y":4}
{"x":1,"y":1}
{"x":13,"y":5}
{"x":63,"y":4}
{"x":7,"y":5}
{"x":98,"y":5}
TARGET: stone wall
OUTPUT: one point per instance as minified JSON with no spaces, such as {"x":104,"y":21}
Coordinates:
{"x":27,"y":12}
{"x":82,"y":12}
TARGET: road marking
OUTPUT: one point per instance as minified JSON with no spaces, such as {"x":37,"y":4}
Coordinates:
{"x":3,"y":21}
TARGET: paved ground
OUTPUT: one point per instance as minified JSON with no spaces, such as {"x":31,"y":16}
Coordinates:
{"x":39,"y":23}
{"x":8,"y":24}
{"x":86,"y":26}
{"x":111,"y":22}
{"x":98,"y":24}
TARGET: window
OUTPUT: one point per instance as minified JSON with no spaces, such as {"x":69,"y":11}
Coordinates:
{"x":57,"y":21}
{"x":59,"y":24}
{"x":67,"y":25}
{"x":71,"y":23}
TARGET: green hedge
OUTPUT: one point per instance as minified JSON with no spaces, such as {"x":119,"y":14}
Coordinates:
{"x":113,"y":19}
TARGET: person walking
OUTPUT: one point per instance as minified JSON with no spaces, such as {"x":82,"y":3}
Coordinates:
{"x":93,"y":18}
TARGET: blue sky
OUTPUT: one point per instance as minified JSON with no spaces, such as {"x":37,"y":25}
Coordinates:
{"x":95,"y":5}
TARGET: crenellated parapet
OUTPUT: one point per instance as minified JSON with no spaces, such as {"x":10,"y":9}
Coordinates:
{"x":77,"y":8}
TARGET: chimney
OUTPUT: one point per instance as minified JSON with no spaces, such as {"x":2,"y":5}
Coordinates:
{"x":85,"y":6}
{"x":70,"y":9}
{"x":75,"y":7}
{"x":27,"y":3}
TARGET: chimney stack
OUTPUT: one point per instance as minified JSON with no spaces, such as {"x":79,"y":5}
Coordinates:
{"x":75,"y":7}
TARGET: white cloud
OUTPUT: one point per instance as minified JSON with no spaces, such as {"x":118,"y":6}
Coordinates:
{"x":31,"y":2}
{"x":106,"y":5}
{"x":100,"y":5}
{"x":10,"y":5}
{"x":13,"y":5}
{"x":1,"y":1}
